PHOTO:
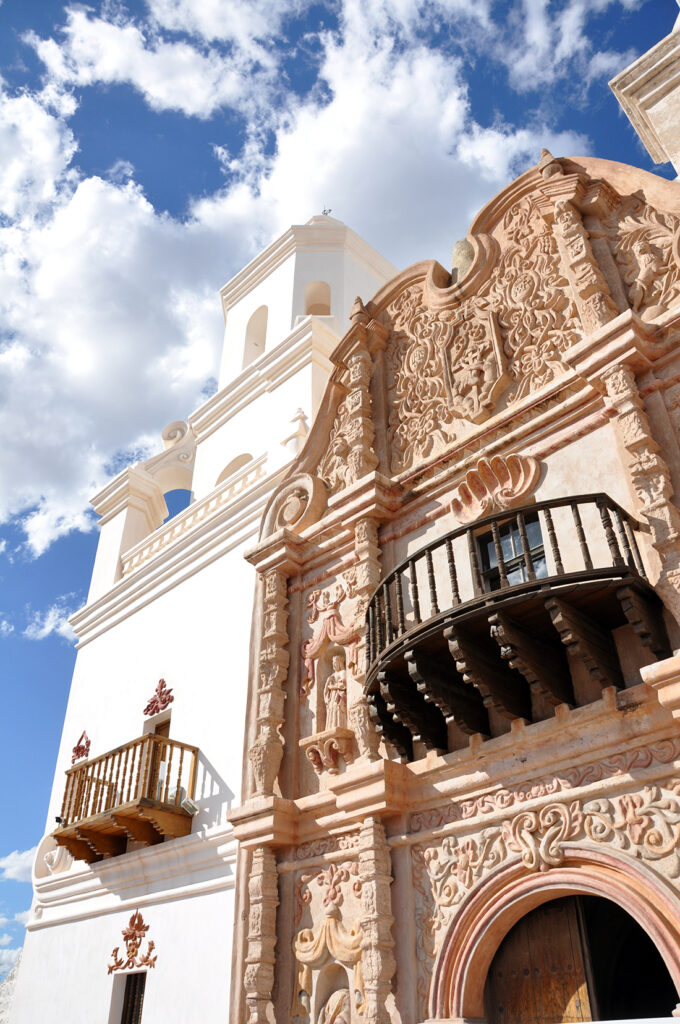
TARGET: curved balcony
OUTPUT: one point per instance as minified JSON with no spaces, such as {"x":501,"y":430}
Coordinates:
{"x":506,"y":618}
{"x":135,"y":792}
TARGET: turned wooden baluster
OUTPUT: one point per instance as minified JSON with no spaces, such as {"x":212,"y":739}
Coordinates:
{"x":585,"y":552}
{"x":168,"y":750}
{"x":415,"y":597}
{"x":179,"y":774}
{"x":142,"y":746}
{"x":499,"y":554}
{"x":474,"y":564}
{"x":371,"y":633}
{"x":557,"y":558}
{"x":434,"y":607}
{"x":387,"y":605}
{"x":623,"y":539}
{"x":380,"y":634}
{"x":125,"y":772}
{"x":609,"y":534}
{"x":632,"y":539}
{"x":453,"y":575}
{"x":401,"y":625}
{"x":115,"y":785}
{"x":526,"y":550}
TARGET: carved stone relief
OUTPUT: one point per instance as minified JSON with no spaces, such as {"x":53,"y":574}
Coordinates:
{"x":494,"y":484}
{"x":646,"y":246}
{"x":267,"y":751}
{"x":295,"y":506}
{"x":350,"y":454}
{"x":502,"y":343}
{"x":327,"y":907}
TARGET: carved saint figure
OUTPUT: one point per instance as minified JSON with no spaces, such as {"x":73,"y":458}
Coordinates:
{"x":335,"y":695}
{"x":337,"y":1009}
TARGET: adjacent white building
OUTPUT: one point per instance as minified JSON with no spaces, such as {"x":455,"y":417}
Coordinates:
{"x":147,"y":771}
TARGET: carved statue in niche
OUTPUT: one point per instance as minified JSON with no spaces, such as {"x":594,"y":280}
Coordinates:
{"x":335,"y":695}
{"x":337,"y":1010}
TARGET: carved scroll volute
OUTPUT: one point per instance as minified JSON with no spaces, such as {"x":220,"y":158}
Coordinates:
{"x":494,"y":484}
{"x":267,"y":751}
{"x":296,"y":505}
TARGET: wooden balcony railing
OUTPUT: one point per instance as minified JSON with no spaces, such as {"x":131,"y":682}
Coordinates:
{"x":133,"y":792}
{"x":586,"y":537}
{"x":508,"y":618}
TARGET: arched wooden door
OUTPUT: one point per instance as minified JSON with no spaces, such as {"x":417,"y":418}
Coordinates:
{"x":577,"y":959}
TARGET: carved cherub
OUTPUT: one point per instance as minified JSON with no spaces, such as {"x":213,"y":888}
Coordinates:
{"x":335,"y":695}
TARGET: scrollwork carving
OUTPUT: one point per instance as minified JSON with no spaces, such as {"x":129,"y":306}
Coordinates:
{"x":295,"y":506}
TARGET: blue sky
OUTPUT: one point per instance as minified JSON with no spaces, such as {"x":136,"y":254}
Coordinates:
{"x":147,"y":151}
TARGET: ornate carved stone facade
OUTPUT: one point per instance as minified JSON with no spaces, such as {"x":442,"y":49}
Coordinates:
{"x":470,"y":595}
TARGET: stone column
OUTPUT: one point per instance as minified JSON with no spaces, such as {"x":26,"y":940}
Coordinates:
{"x":377,"y":958}
{"x":260,"y":959}
{"x":367,"y":550}
{"x":267,"y":751}
{"x":651,"y":478}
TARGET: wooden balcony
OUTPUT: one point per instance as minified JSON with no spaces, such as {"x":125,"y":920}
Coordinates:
{"x":134,"y":792}
{"x":507,"y":618}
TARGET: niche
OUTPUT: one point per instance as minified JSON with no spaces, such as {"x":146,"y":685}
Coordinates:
{"x":256,"y":336}
{"x":317,"y":299}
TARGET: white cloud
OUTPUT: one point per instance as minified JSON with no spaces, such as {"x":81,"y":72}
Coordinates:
{"x":109,"y":308}
{"x":8,"y":958}
{"x":22,"y":917}
{"x":171,"y":75}
{"x":16,"y":866}
{"x":52,"y":621}
{"x":6,"y":627}
{"x":5,"y":939}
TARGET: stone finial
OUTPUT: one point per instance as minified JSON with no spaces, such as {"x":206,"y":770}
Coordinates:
{"x":162,"y":697}
{"x":358,"y":314}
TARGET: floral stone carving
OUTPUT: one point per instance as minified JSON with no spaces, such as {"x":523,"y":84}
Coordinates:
{"x":162,"y":698}
{"x":81,"y":749}
{"x":494,"y":484}
{"x":133,"y":936}
{"x":646,"y":246}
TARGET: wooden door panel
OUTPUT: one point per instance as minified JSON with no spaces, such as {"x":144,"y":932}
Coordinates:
{"x":538,"y":974}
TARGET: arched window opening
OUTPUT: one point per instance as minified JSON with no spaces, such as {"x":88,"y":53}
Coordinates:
{"x":577,"y":958}
{"x":176,"y":500}
{"x":317,"y":299}
{"x":256,"y":336}
{"x":233,"y":466}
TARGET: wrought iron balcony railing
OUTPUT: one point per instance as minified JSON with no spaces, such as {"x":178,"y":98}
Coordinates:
{"x":507,"y":605}
{"x":133,"y":792}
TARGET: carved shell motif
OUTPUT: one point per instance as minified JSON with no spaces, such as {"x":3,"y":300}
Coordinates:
{"x":494,"y":484}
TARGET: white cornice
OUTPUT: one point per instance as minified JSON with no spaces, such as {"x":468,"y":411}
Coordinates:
{"x":199,"y":863}
{"x":132,"y":487}
{"x":320,"y":234}
{"x":310,"y":340}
